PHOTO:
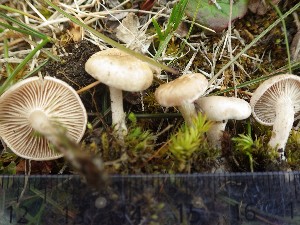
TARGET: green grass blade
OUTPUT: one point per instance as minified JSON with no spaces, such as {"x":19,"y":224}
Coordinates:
{"x":157,"y":115}
{"x":175,"y":18}
{"x":182,"y":44}
{"x":295,"y":65}
{"x":9,"y":79}
{"x":285,"y":36}
{"x":6,"y":56}
{"x":255,"y":40}
{"x":7,"y":8}
{"x":245,"y":84}
{"x":24,"y":26}
{"x":160,"y":35}
{"x":49,"y":54}
{"x":172,"y":18}
{"x":5,"y":25}
{"x":180,"y":13}
{"x":110,"y":41}
{"x":36,"y":69}
{"x":163,"y":45}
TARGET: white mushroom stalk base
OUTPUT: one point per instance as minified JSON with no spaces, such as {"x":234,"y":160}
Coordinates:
{"x":282,"y":125}
{"x":188,"y":112}
{"x":53,"y":133}
{"x":41,"y":123}
{"x":215,"y":133}
{"x":117,"y":110}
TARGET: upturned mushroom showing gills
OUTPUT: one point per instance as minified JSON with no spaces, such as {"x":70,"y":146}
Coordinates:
{"x":182,"y":92}
{"x":220,"y":109}
{"x":120,"y":71}
{"x":32,"y":111}
{"x":277,"y":102}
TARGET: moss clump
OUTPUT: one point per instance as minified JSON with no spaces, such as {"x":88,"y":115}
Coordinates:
{"x":190,"y":149}
{"x":293,"y":150}
{"x":251,"y":152}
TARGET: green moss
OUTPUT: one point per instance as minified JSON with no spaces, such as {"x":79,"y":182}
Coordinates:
{"x":189,"y":146}
{"x":293,"y":150}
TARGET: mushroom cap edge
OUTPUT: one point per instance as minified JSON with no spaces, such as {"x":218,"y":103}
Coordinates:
{"x":218,"y":108}
{"x":120,"y":70}
{"x":270,"y":107}
{"x":186,"y":88}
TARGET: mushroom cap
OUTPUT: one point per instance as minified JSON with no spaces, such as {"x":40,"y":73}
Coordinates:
{"x":185,"y":89}
{"x":120,"y":70}
{"x":264,"y":99}
{"x":218,"y":108}
{"x":56,"y":99}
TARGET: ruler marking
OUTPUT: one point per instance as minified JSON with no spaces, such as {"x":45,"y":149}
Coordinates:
{"x":18,"y":192}
{"x":45,"y":192}
{"x":269,"y":187}
{"x":278,"y":193}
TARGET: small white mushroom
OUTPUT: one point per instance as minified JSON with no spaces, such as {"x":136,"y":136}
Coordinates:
{"x":182,"y":92}
{"x":220,"y":109}
{"x":120,"y":71}
{"x":277,"y":102}
{"x":40,"y":105}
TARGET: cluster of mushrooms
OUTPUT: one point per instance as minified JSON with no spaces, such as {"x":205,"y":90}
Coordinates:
{"x":276,"y":102}
{"x":35,"y":109}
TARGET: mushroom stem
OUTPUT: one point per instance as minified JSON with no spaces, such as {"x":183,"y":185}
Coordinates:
{"x":282,"y":125}
{"x":215,"y":133}
{"x":118,"y":114}
{"x":188,"y":112}
{"x":40,"y":122}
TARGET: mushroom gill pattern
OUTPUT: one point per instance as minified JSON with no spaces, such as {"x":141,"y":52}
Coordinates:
{"x":56,"y":99}
{"x":286,"y":90}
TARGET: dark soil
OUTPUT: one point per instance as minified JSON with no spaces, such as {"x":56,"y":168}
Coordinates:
{"x":71,"y":70}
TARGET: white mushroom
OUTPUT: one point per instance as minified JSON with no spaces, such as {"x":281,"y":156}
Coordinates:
{"x":40,"y":105}
{"x":276,"y":102}
{"x":120,"y":71}
{"x":182,"y":92}
{"x":220,"y":109}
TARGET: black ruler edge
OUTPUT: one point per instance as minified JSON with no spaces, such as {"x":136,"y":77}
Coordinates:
{"x":203,"y":180}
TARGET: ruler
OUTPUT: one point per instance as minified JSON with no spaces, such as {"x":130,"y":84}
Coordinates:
{"x":200,"y":199}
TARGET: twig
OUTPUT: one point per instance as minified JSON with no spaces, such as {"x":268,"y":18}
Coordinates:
{"x":88,"y":87}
